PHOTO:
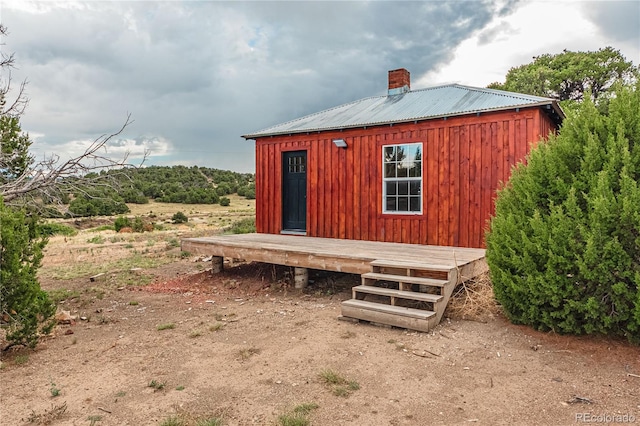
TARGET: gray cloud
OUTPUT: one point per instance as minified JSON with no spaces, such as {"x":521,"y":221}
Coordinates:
{"x":197,"y":75}
{"x":617,"y":19}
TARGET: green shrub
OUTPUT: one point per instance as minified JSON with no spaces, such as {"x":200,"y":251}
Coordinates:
{"x":250,"y":194}
{"x":51,"y":229}
{"x":99,"y":205}
{"x":223,"y":189}
{"x":138,"y":224}
{"x":243,"y":226}
{"x":564,"y":245}
{"x":121,"y":222}
{"x":102,"y":228}
{"x":224,"y":201}
{"x":179,"y":217}
{"x":25,"y":309}
{"x":97,"y":239}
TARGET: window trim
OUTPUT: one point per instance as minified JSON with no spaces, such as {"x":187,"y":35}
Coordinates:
{"x":407,"y":179}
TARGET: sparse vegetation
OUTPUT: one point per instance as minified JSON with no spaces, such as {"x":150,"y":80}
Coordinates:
{"x":172,"y":421}
{"x":21,"y":359}
{"x":305,"y":408}
{"x":243,"y":226}
{"x":59,"y":295}
{"x":48,"y":416}
{"x":348,"y":335}
{"x":195,"y":333}
{"x":49,"y":229}
{"x":298,"y":416}
{"x":213,"y":421}
{"x":168,"y":326}
{"x":173,"y":243}
{"x":102,"y":228}
{"x":156,"y":384}
{"x":330,"y":377}
{"x":87,"y":269}
{"x":54,"y":390}
{"x":245,"y":354}
{"x":98,"y":239}
{"x":339,"y":385}
{"x":217,"y":326}
{"x":94,"y":419}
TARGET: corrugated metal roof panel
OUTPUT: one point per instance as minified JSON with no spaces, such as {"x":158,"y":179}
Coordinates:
{"x":433,"y":102}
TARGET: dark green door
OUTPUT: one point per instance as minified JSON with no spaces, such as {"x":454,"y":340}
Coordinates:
{"x":294,"y":191}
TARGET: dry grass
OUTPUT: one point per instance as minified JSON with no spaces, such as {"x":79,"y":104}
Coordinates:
{"x":245,"y":354}
{"x":48,"y":416}
{"x":238,"y":205}
{"x":473,"y":300}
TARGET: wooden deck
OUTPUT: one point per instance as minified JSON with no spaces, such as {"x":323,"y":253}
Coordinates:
{"x":350,"y":256}
{"x":403,"y":285}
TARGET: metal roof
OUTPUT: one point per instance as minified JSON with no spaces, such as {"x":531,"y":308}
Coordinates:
{"x":433,"y":102}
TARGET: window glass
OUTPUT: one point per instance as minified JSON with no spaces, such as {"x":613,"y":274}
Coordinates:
{"x":402,"y":178}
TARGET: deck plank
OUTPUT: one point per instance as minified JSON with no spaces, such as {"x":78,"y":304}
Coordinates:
{"x":351,"y":256}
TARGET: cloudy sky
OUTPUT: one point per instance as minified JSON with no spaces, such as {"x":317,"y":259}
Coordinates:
{"x":195,"y":75}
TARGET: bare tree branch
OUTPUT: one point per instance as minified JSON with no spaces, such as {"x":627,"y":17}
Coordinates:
{"x":49,"y":179}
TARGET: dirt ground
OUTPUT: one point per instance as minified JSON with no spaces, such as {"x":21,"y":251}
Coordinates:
{"x":245,"y":347}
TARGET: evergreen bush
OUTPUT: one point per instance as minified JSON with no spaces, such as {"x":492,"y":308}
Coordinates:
{"x":179,"y":217}
{"x":138,"y":224}
{"x":121,"y":222}
{"x":564,"y":245}
{"x":25,"y":309}
{"x":52,"y":228}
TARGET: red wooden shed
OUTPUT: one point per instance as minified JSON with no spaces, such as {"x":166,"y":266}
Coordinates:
{"x":419,"y":167}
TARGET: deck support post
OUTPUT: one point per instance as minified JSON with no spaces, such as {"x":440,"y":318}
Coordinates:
{"x":301,"y":277}
{"x":216,"y":264}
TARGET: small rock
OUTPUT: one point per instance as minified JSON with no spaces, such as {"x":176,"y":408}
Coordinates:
{"x":65,"y":317}
{"x":69,"y":331}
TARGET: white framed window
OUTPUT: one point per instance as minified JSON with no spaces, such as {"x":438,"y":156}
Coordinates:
{"x":402,"y":178}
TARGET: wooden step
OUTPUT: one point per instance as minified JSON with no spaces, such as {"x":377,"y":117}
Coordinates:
{"x":411,"y":295}
{"x":405,"y":279}
{"x":414,"y":319}
{"x":382,"y":263}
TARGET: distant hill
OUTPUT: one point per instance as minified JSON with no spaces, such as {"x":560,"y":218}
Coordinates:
{"x":176,"y":184}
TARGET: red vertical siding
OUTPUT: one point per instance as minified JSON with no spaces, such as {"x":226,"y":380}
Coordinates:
{"x":464,"y":205}
{"x":464,"y":161}
{"x":431,"y":178}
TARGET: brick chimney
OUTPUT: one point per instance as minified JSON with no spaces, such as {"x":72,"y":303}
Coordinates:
{"x":399,"y":82}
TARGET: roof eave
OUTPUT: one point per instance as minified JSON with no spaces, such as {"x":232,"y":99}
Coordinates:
{"x":553,"y":103}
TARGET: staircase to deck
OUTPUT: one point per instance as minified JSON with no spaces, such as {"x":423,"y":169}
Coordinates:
{"x":402,"y":294}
